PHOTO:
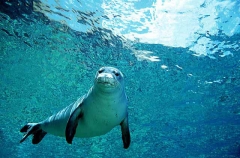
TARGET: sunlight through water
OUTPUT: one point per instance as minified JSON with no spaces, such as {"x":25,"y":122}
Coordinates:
{"x":188,"y":23}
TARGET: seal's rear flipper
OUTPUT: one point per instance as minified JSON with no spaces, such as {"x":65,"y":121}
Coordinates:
{"x":125,"y":133}
{"x":35,"y":129}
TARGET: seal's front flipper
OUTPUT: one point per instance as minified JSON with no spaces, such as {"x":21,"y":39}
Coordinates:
{"x":125,"y":133}
{"x":35,"y":129}
{"x":72,"y":124}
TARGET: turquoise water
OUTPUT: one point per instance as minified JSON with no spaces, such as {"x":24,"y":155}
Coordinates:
{"x":181,"y":65}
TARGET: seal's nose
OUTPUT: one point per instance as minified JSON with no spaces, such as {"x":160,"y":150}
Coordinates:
{"x":106,"y":79}
{"x":105,"y":75}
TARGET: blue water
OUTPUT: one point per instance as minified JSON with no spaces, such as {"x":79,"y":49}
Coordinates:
{"x":181,"y":62}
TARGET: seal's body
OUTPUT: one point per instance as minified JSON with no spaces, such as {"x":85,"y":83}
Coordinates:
{"x":94,"y":114}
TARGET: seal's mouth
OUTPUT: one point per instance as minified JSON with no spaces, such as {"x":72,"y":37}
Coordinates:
{"x":107,"y":80}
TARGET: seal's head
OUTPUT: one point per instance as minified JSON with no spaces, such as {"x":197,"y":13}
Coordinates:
{"x":109,"y":78}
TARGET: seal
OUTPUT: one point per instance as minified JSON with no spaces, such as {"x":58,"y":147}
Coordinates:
{"x":95,"y":113}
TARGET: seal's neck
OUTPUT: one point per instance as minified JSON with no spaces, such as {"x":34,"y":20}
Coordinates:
{"x":107,"y":93}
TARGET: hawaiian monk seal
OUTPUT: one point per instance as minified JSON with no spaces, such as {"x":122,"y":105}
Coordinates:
{"x":93,"y":114}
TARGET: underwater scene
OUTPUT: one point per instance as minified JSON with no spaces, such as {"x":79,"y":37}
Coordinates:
{"x":178,"y":62}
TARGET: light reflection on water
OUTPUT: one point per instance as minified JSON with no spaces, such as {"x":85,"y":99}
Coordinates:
{"x":195,"y":25}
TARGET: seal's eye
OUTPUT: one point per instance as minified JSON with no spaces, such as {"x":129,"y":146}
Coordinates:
{"x":100,"y":71}
{"x":116,"y":73}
